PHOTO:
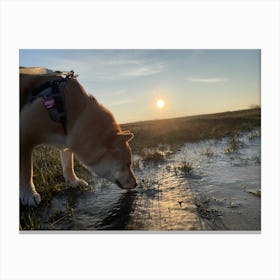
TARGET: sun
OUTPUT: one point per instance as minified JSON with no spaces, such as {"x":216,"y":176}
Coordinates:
{"x":160,"y":103}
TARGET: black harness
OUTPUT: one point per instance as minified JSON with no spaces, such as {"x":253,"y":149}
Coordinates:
{"x":53,"y":96}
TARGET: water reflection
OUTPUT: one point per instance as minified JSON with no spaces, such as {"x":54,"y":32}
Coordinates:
{"x":119,"y":216}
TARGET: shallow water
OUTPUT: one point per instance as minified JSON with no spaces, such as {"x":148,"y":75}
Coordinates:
{"x":231,"y":182}
{"x":221,"y":192}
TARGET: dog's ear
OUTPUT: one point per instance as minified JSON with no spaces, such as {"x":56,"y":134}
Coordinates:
{"x":120,"y":138}
{"x":125,"y":136}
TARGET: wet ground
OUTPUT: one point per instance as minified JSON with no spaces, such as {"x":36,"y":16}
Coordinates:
{"x":202,"y":186}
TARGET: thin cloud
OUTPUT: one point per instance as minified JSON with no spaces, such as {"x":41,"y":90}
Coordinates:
{"x":123,"y":102}
{"x":208,"y":80}
{"x":124,"y":73}
{"x":120,"y":62}
{"x":112,"y":93}
{"x":145,"y":70}
{"x":107,"y":68}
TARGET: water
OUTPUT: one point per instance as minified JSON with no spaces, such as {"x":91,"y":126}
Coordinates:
{"x":221,"y":192}
{"x":231,"y":182}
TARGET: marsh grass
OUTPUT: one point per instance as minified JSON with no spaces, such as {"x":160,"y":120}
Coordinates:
{"x":208,"y":152}
{"x":48,"y":177}
{"x":49,"y":181}
{"x":184,"y":168}
{"x":137,"y":165}
{"x":234,"y":143}
{"x":253,"y":135}
{"x":155,"y":156}
{"x":29,"y":219}
{"x":62,"y":215}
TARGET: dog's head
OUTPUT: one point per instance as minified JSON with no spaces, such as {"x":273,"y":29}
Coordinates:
{"x":115,"y":164}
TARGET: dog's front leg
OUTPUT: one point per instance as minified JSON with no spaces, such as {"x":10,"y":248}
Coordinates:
{"x":67,"y":162}
{"x":28,"y":194}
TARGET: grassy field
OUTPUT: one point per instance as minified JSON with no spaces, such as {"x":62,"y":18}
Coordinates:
{"x":48,"y":177}
{"x":177,"y":131}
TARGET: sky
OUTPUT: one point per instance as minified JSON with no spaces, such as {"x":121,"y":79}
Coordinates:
{"x":129,"y":82}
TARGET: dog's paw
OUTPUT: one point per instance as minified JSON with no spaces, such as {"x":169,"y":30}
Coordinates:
{"x":78,"y":183}
{"x":30,"y":199}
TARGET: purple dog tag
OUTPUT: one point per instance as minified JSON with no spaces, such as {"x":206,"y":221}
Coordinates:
{"x":49,"y":102}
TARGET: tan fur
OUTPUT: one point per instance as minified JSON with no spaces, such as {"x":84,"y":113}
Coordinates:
{"x":35,"y":71}
{"x":92,"y":135}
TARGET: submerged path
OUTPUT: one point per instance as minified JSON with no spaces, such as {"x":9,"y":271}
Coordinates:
{"x":168,"y":204}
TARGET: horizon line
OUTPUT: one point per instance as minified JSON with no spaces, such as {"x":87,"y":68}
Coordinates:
{"x":195,"y":115}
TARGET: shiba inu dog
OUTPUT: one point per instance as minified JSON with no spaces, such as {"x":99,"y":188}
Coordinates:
{"x":56,"y":110}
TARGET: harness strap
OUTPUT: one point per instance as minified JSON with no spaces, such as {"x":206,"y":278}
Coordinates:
{"x":52,"y":93}
{"x":37,"y":92}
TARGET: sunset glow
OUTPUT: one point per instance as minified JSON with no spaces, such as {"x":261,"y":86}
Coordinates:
{"x":152,"y":84}
{"x":160,"y":103}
